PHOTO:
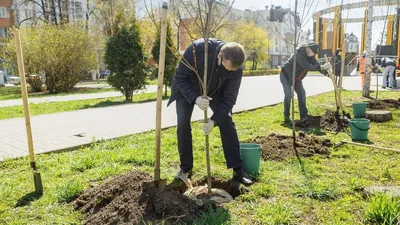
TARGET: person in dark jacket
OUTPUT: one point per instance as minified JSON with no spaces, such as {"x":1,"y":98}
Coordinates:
{"x":305,"y":61}
{"x":337,"y":64}
{"x":225,"y":62}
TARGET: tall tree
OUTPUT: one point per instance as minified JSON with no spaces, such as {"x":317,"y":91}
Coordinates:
{"x":367,"y":80}
{"x":253,"y":38}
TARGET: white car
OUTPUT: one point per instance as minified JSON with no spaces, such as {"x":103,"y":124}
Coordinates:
{"x":13,"y":80}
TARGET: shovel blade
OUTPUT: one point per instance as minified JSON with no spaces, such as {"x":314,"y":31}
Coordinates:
{"x":38,"y":183}
{"x":154,"y":184}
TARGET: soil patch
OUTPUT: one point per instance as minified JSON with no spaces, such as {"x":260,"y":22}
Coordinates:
{"x":233,"y":187}
{"x":279,"y":147}
{"x":332,"y":122}
{"x":384,"y":104}
{"x":121,"y":200}
{"x":312,"y":122}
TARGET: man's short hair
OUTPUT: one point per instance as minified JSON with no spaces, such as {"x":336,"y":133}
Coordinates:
{"x":233,"y":52}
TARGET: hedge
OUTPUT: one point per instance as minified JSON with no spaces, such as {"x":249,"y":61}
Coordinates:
{"x":261,"y":72}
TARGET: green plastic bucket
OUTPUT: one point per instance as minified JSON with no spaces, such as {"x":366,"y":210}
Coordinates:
{"x":251,"y":156}
{"x":359,"y":109}
{"x":359,"y":129}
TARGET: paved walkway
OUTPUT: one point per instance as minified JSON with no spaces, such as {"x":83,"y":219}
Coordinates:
{"x":60,"y":131}
{"x":74,"y":97}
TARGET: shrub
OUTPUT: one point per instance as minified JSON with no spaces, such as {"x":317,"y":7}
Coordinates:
{"x":63,"y":53}
{"x":261,"y":72}
{"x":125,"y":59}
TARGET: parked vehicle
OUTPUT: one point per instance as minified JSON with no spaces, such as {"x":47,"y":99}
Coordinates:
{"x":13,"y":80}
{"x":104,"y":74}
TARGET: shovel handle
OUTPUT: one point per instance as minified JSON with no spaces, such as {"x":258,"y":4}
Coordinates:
{"x":21,"y":70}
{"x":161,"y":66}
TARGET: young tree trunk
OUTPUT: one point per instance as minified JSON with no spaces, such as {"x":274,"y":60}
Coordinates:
{"x":166,"y":90}
{"x":178,"y":41}
{"x":367,"y":81}
{"x":206,"y":36}
{"x":54,"y":12}
{"x":293,"y":84}
{"x":60,"y":11}
{"x":45,"y":14}
{"x":87,"y":16}
{"x":128,"y":95}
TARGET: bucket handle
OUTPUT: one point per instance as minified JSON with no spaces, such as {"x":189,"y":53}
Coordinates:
{"x":361,"y":128}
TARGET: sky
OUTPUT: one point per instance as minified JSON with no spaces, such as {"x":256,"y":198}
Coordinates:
{"x":310,"y":5}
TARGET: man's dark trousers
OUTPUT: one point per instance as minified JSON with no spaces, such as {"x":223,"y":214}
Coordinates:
{"x":230,"y":141}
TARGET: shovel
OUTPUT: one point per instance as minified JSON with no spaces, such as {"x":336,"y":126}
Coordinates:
{"x":36,"y":175}
{"x":158,"y":182}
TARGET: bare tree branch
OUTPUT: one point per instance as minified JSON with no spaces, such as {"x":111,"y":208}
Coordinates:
{"x":223,"y":17}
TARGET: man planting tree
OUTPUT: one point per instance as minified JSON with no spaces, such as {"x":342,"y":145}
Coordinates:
{"x":224,"y":79}
{"x":305,"y":59}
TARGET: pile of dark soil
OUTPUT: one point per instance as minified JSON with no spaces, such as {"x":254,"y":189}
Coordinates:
{"x":279,"y":147}
{"x":121,"y":200}
{"x":384,"y":104}
{"x":330,"y":121}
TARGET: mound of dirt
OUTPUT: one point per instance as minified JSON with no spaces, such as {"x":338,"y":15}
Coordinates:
{"x":330,"y":121}
{"x":279,"y":147}
{"x":121,"y":200}
{"x":384,"y":104}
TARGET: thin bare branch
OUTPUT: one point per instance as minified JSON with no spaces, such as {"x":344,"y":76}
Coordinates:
{"x":223,"y":17}
{"x":190,"y":14}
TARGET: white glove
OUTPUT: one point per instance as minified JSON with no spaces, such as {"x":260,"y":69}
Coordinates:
{"x":207,"y":127}
{"x":326,"y":66}
{"x":203,"y":103}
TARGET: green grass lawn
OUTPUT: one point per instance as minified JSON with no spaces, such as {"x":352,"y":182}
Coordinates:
{"x":54,"y":107}
{"x":314,"y":72}
{"x":8,"y":93}
{"x":327,"y":191}
{"x":152,"y":82}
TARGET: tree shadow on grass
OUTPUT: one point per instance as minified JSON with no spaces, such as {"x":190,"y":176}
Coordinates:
{"x":27,"y":199}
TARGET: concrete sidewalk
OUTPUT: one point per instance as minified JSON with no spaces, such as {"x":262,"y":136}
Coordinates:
{"x":53,"y":132}
{"x":74,"y":97}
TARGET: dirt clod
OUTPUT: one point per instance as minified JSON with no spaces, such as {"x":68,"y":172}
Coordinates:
{"x":279,"y":147}
{"x":121,"y":200}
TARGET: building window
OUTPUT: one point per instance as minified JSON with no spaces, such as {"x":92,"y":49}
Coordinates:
{"x":276,"y":49}
{"x":76,"y":8}
{"x":275,"y":60}
{"x":28,"y":13}
{"x":4,"y":13}
{"x":3,"y":31}
{"x":46,"y":4}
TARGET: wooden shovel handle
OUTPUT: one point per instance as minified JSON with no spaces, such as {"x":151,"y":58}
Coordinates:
{"x":161,"y":66}
{"x":21,"y":70}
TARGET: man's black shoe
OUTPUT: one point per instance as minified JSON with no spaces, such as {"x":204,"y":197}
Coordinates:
{"x":240,"y":175}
